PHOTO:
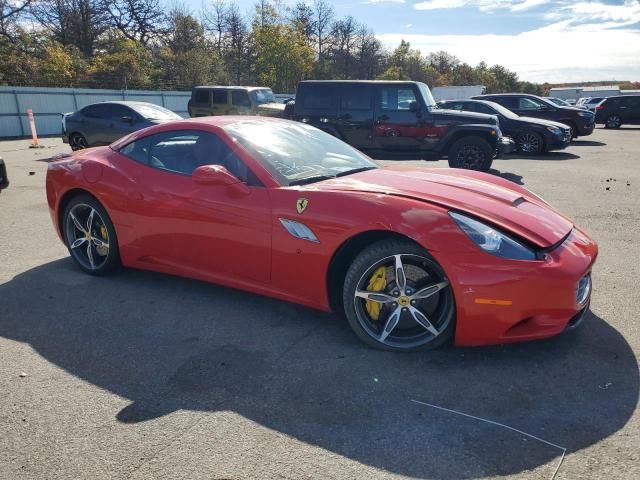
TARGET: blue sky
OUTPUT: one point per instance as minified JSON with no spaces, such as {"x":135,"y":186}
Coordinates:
{"x":542,"y":40}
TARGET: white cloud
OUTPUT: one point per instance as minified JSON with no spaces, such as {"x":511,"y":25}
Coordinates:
{"x":484,"y":5}
{"x":585,"y":40}
{"x":408,"y":25}
{"x":374,"y":2}
{"x":542,"y":55}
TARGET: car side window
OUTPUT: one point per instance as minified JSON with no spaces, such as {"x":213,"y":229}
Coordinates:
{"x":201,"y":96}
{"x":455,"y":106}
{"x":525,"y":103}
{"x":99,"y":110}
{"x":480,"y":108}
{"x":240,"y":99}
{"x":183,"y":151}
{"x":116,"y":112}
{"x":219,"y":97}
{"x":317,"y":97}
{"x":397,"y":98}
{"x":508,"y":102}
{"x":356,"y":98}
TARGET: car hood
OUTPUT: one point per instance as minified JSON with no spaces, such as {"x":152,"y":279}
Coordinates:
{"x":271,"y":109}
{"x":463,"y":117}
{"x":543,"y":122}
{"x":510,"y":207}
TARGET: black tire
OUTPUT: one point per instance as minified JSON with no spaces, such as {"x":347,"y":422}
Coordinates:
{"x":613,"y":121}
{"x":472,"y":153}
{"x":90,"y":254}
{"x":77,"y":141}
{"x":530,"y":143}
{"x":406,"y":334}
{"x":573,"y":128}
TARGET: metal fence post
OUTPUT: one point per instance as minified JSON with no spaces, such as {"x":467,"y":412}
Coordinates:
{"x":15,"y":98}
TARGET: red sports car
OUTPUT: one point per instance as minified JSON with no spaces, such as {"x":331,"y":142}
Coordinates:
{"x":412,"y":256}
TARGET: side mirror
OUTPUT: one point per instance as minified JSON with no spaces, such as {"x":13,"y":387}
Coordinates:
{"x":127,"y":119}
{"x":218,"y":176}
{"x":543,"y":108}
{"x":414,"y":107}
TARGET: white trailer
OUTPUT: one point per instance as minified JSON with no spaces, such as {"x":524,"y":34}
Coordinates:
{"x":457,"y":92}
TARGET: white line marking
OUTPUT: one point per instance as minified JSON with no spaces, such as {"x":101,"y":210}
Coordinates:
{"x":563,"y":449}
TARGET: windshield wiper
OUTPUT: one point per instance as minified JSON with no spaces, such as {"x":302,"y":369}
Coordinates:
{"x":355,"y":170}
{"x":312,"y":179}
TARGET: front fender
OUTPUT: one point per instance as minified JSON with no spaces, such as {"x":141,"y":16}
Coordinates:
{"x":490,"y":133}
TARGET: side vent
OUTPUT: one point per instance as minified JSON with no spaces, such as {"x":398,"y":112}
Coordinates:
{"x":299,"y":230}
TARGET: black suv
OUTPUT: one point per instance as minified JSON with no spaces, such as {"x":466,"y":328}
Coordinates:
{"x":582,"y":122}
{"x":532,"y":135}
{"x":614,"y":111}
{"x":399,"y":119}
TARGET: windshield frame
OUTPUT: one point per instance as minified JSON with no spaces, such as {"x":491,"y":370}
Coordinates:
{"x":243,"y":134}
{"x":427,"y":96}
{"x":500,"y":109}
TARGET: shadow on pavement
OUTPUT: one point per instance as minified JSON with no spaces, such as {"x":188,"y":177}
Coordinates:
{"x":587,"y":143}
{"x":512,"y":177}
{"x":555,"y":156}
{"x":168,"y":343}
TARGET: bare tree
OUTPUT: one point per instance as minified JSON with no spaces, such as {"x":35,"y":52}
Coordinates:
{"x":301,"y":18}
{"x":72,"y":22}
{"x":139,"y":20}
{"x":237,"y":51}
{"x":322,"y":17}
{"x":10,"y":10}
{"x":343,"y":33}
{"x":215,"y":21}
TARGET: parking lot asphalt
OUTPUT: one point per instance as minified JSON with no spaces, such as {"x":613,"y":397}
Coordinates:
{"x":141,"y":375}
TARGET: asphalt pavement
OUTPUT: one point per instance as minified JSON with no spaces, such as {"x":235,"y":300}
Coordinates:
{"x":140,"y":375}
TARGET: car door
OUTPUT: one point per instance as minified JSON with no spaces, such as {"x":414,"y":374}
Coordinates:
{"x":220,"y":101}
{"x":210,"y":230}
{"x":355,"y":116}
{"x":630,"y":109}
{"x":397,"y":126}
{"x":94,"y":123}
{"x":121,"y":120}
{"x":240,"y":102}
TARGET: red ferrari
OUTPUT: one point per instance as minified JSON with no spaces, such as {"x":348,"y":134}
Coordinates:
{"x":413,"y":257}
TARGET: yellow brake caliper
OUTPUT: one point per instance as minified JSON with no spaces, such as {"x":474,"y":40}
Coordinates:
{"x":377,"y":283}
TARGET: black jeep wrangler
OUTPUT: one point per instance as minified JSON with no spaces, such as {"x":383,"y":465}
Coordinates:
{"x":399,"y":120}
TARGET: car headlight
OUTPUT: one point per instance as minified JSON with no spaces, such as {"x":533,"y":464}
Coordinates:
{"x":585,"y":114}
{"x":491,"y":240}
{"x":554,"y":130}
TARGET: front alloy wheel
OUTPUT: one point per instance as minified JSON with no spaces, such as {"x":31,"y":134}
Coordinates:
{"x":90,"y":236}
{"x":400,"y":301}
{"x":77,"y":142}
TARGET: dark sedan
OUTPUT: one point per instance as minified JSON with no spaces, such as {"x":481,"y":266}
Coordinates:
{"x":105,"y":122}
{"x":531,"y":135}
{"x":581,"y":121}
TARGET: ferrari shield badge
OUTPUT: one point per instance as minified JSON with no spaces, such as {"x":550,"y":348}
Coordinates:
{"x":301,"y":204}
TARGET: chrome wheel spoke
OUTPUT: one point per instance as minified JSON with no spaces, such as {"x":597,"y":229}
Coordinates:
{"x":390,"y":324}
{"x":421,"y":319}
{"x":77,"y":223}
{"x":90,"y":255}
{"x":401,"y":278}
{"x":90,"y":220}
{"x":426,"y":292}
{"x":78,"y":242}
{"x":375,"y":296}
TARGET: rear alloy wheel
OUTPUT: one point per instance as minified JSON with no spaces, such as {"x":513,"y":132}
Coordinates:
{"x":530,"y":143}
{"x":471,"y":153}
{"x":613,"y":121}
{"x":397,"y":297}
{"x":77,"y":142}
{"x":90,"y":236}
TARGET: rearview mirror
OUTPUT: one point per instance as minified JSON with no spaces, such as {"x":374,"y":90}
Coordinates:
{"x":217,"y":175}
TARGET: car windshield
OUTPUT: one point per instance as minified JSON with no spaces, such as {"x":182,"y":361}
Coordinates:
{"x":426,"y":95}
{"x":155,"y":112}
{"x":505,"y":112}
{"x":558,"y":101}
{"x":296,"y":153}
{"x":264,"y":95}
